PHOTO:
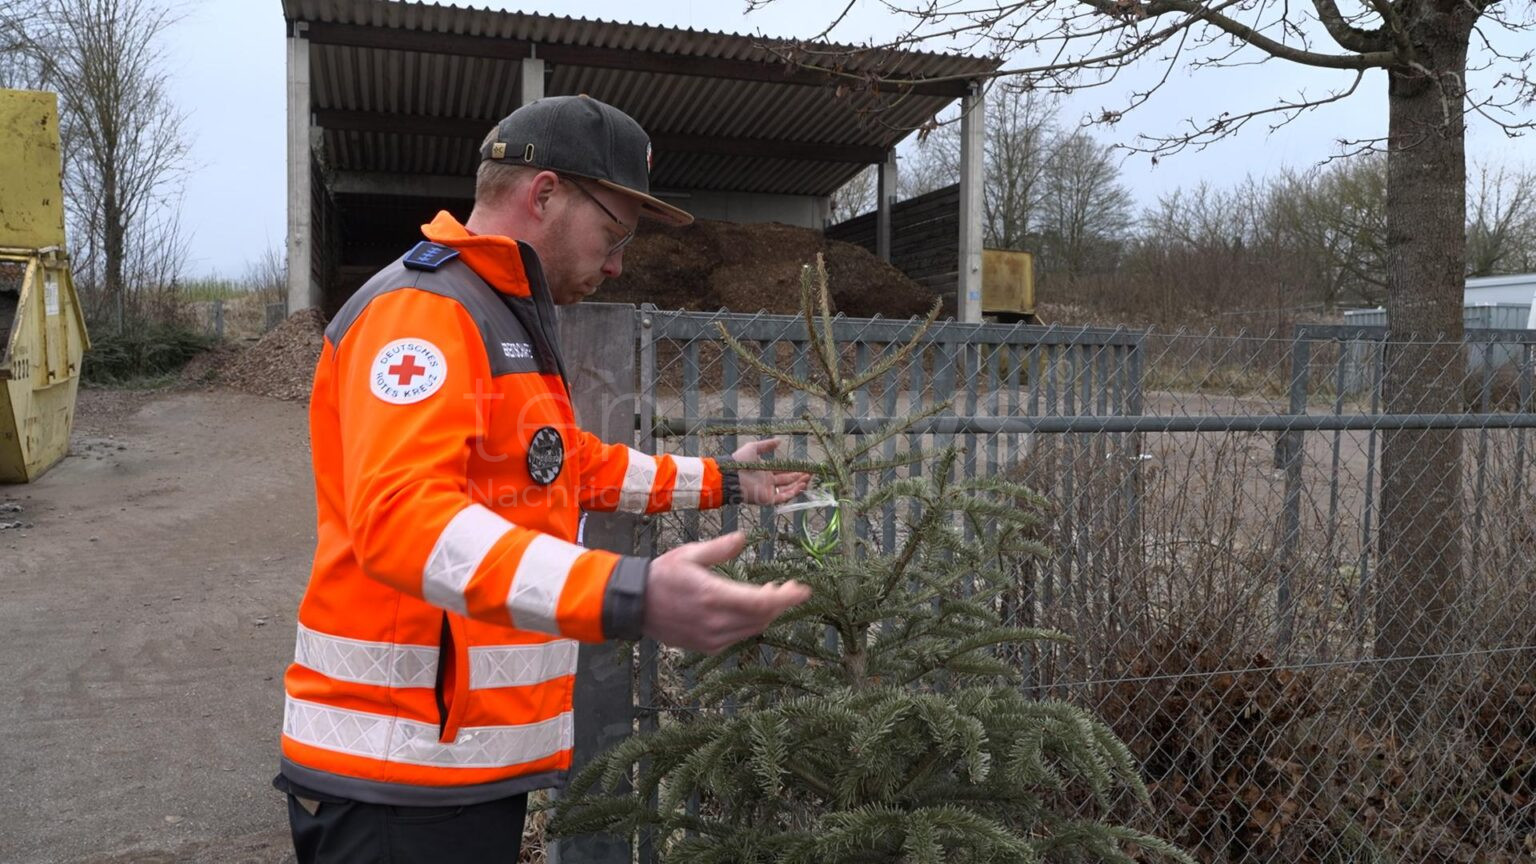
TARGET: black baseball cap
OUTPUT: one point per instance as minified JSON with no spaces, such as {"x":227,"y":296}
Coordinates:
{"x":581,"y":136}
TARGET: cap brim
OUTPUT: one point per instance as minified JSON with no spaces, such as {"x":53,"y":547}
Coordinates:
{"x":653,"y":208}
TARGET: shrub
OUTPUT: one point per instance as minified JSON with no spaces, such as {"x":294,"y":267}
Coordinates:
{"x":136,"y":355}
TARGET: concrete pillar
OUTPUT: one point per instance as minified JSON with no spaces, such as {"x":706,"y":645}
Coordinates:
{"x":885,"y":198}
{"x":301,"y":283}
{"x":532,"y":85}
{"x":972,"y":155}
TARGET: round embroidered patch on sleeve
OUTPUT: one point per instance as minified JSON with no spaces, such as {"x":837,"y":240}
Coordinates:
{"x":408,"y":370}
{"x":546,"y":455}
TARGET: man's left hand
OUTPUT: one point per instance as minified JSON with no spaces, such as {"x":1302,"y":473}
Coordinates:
{"x":767,"y":487}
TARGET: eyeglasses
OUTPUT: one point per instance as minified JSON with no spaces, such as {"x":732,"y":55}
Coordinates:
{"x":629,"y":232}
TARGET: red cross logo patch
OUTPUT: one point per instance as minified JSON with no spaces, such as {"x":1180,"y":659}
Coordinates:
{"x":408,"y":370}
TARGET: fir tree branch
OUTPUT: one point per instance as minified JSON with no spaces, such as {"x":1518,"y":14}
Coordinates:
{"x":820,"y":785}
{"x":818,"y":328}
{"x":768,"y":734}
{"x":925,"y":524}
{"x":805,"y":465}
{"x":902,"y":353}
{"x":812,"y":650}
{"x":763,"y":368}
{"x":894,"y":428}
{"x":831,"y":362}
{"x":866,"y":504}
{"x":921,"y":771}
{"x":729,"y":682}
{"x":779,"y":427}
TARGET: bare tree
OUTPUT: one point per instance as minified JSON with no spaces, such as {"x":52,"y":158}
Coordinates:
{"x":1501,"y":221}
{"x":856,"y":196}
{"x":1086,"y":212}
{"x":931,"y":162}
{"x":1333,"y":221}
{"x":1208,"y":255}
{"x":19,"y":69}
{"x":268,"y":274}
{"x":1021,"y":139}
{"x":1206,"y":218}
{"x":125,"y":146}
{"x":1423,"y":45}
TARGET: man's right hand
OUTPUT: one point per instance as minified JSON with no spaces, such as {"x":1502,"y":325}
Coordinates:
{"x":689,"y":606}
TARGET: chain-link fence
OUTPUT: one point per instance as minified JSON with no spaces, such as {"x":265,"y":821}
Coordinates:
{"x":1296,"y":569}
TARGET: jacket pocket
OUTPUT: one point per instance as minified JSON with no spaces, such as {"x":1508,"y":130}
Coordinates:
{"x":452,"y":688}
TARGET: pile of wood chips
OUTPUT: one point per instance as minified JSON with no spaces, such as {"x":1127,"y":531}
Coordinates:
{"x":281,"y":364}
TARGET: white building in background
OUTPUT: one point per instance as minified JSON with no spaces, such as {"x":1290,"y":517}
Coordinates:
{"x":1505,"y":292}
{"x":1518,"y":288}
{"x":1490,"y":303}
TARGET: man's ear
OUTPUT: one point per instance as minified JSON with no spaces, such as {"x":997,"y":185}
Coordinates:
{"x":540,"y":192}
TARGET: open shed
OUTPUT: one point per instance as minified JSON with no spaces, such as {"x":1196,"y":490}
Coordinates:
{"x":388,"y":101}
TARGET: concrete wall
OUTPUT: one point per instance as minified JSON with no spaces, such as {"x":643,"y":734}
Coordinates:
{"x":806,"y":211}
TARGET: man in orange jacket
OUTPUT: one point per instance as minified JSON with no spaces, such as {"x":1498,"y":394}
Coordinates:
{"x":436,"y":651}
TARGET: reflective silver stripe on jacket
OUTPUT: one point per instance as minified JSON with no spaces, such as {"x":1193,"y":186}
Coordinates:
{"x":539,"y":581}
{"x":457,"y":554}
{"x":393,"y":739}
{"x":520,"y":665}
{"x":639,"y":480}
{"x":380,"y":663}
{"x":385,"y":664}
{"x":690,"y":482}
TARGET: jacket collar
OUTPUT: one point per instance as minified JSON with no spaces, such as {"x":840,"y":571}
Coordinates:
{"x":505,"y":264}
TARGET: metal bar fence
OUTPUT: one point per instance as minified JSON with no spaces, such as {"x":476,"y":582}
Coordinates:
{"x":1219,"y":558}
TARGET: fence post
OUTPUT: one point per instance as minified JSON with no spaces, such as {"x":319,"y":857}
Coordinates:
{"x":1291,"y":449}
{"x":218,"y":319}
{"x":645,"y":540}
{"x":599,"y":351}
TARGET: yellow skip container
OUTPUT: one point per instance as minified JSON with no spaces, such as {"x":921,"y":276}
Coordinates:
{"x":42,"y":328}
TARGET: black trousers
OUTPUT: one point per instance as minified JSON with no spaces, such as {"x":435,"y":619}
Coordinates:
{"x":351,"y":832}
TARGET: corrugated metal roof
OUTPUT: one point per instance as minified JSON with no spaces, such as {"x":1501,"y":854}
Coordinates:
{"x":438,"y":83}
{"x":566,"y":30}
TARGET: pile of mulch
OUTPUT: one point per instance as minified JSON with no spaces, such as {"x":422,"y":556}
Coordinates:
{"x":751,"y":268}
{"x":281,"y":364}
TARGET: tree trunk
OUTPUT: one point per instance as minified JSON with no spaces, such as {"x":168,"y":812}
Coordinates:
{"x":112,"y":237}
{"x":1421,"y":519}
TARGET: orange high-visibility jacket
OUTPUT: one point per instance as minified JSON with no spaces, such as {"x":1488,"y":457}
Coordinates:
{"x":436,"y":648}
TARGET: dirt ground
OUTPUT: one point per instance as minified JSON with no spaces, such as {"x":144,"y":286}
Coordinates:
{"x":147,"y":602}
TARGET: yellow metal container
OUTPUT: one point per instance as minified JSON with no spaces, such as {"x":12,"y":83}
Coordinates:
{"x":31,"y":194}
{"x":42,"y":329}
{"x":1008,"y":285}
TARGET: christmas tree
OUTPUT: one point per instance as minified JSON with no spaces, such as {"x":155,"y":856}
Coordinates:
{"x":902,"y":736}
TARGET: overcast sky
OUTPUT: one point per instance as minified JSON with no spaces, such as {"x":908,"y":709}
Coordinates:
{"x":226,"y":59}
